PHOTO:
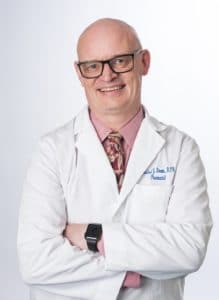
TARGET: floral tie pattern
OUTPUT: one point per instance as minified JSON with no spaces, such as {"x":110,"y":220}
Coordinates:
{"x":115,"y":152}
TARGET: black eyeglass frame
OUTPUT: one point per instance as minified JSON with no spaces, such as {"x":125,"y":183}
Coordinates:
{"x":108,"y":61}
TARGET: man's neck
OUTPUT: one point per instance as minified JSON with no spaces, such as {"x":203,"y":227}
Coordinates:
{"x":116,"y":121}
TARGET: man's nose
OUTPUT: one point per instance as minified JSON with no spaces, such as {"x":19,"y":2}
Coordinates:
{"x":108,"y":74}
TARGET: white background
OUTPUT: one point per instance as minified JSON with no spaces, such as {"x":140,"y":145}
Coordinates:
{"x":40,"y":91}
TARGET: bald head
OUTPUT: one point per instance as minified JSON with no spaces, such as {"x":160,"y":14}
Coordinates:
{"x":106,"y":32}
{"x":112,"y":63}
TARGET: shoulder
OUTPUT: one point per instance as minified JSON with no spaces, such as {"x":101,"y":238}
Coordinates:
{"x":172,"y":134}
{"x":64,"y":135}
{"x":56,"y":149}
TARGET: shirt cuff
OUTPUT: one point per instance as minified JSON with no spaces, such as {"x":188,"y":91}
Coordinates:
{"x":132,"y":280}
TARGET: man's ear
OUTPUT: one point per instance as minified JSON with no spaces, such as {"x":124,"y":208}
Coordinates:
{"x":79,"y":73}
{"x":145,"y":60}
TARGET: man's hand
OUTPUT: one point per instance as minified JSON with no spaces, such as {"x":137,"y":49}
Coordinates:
{"x":75,"y":234}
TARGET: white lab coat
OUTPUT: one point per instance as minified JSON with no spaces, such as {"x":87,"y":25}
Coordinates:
{"x":158,"y":225}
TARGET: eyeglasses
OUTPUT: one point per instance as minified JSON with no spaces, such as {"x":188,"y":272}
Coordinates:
{"x":118,"y":64}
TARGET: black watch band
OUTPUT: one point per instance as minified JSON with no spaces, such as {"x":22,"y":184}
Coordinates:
{"x":92,"y":244}
{"x":93,"y":235}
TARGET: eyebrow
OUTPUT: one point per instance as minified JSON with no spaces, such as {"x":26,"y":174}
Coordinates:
{"x":105,"y":60}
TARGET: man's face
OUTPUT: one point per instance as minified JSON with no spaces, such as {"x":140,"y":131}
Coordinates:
{"x":112,"y":93}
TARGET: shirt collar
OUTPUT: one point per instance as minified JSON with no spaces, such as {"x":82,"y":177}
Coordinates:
{"x":128,"y":131}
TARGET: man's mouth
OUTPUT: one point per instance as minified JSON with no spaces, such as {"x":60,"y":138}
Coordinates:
{"x":112,"y":88}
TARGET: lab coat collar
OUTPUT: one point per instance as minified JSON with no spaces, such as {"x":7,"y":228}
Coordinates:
{"x":82,"y":121}
{"x":97,"y":162}
{"x":154,"y":123}
{"x":147,"y":145}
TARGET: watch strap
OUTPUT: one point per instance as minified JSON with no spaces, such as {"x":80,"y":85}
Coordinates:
{"x":92,"y":244}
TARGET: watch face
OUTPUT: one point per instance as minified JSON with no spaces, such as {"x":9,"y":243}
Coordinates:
{"x":93,"y":235}
{"x":94,"y":231}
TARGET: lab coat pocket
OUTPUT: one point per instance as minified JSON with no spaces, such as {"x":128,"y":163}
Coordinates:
{"x":148,"y":203}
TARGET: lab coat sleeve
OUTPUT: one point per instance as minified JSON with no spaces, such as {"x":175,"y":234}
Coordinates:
{"x":47,"y":259}
{"x":173,"y":247}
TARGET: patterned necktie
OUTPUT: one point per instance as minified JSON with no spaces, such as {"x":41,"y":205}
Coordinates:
{"x":115,"y":152}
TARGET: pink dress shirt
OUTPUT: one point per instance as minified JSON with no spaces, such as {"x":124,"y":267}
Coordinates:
{"x":129,"y":132}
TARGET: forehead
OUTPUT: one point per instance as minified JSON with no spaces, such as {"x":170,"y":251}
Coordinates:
{"x":105,"y":42}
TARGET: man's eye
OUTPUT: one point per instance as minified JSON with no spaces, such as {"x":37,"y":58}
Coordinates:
{"x":91,"y":67}
{"x":119,"y":60}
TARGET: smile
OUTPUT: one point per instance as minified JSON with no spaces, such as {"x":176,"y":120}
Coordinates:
{"x":112,"y":88}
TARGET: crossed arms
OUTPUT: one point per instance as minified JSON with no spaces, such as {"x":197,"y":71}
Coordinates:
{"x":57,"y":263}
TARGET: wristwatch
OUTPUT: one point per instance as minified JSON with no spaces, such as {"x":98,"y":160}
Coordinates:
{"x":93,"y":235}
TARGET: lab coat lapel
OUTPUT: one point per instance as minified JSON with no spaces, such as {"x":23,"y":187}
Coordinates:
{"x":148,"y":144}
{"x":88,"y":143}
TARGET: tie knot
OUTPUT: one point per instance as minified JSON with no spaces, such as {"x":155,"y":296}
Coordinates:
{"x":115,"y":137}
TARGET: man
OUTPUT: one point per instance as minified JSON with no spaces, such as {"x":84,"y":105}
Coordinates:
{"x":115,"y":203}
